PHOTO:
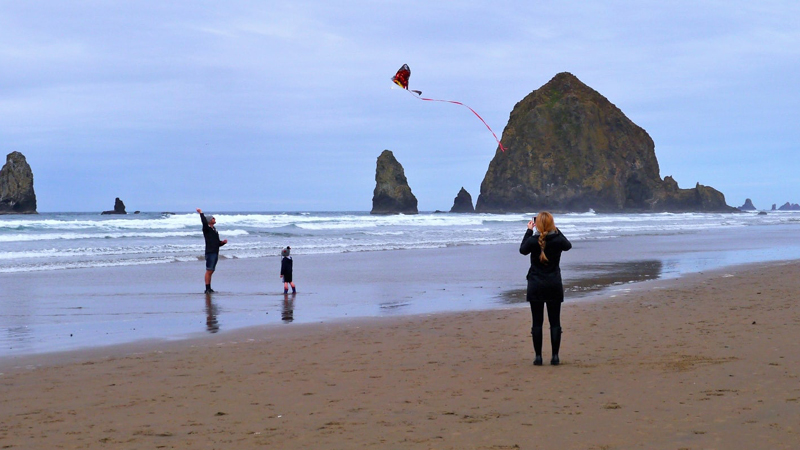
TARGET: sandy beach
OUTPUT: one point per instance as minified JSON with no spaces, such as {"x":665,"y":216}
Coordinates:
{"x":707,"y":361}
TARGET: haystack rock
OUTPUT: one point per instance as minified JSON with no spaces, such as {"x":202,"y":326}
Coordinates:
{"x":748,"y":206}
{"x":570,"y":149}
{"x":462,"y":203}
{"x":392,"y":194}
{"x":16,"y":186}
{"x":119,"y":207}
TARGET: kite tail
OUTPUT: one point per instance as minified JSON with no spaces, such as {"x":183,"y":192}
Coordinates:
{"x":473,"y":112}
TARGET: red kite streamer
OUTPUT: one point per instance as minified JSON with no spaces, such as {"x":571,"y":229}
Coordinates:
{"x":401,"y":79}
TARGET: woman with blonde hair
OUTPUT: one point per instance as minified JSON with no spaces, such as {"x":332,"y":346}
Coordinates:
{"x":544,"y":280}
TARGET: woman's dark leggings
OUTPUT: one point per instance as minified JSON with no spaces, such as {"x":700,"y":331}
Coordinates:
{"x":553,"y":313}
{"x":554,"y":316}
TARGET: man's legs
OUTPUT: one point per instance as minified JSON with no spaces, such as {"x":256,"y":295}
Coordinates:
{"x":211,"y":264}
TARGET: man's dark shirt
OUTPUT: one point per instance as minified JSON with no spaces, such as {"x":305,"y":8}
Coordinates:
{"x":211,"y":235}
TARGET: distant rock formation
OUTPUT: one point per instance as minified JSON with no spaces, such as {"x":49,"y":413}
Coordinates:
{"x":789,"y":207}
{"x":748,"y":206}
{"x":119,"y":208}
{"x":774,"y":207}
{"x":392,"y":194}
{"x":570,"y":149}
{"x":16,"y":186}
{"x":462,"y":203}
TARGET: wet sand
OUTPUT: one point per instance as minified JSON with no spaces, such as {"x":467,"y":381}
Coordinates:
{"x":707,"y":361}
{"x":42,"y":312}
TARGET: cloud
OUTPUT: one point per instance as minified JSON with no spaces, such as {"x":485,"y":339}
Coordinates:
{"x":304,"y":85}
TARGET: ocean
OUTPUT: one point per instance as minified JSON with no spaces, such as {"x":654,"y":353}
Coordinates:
{"x":72,"y":281}
{"x":60,"y":241}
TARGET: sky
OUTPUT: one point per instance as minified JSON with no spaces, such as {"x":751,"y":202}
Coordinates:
{"x":286,"y":105}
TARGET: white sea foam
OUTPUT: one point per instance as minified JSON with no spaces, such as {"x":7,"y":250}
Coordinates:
{"x":22,"y":237}
{"x":55,"y":241}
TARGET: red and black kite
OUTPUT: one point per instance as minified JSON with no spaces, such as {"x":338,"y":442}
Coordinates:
{"x":401,"y":79}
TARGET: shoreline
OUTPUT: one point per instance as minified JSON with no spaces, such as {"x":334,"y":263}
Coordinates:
{"x":68,"y":310}
{"x":704,"y":361}
{"x":610,"y":293}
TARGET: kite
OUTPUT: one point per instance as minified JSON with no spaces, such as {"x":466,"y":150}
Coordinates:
{"x":401,"y":79}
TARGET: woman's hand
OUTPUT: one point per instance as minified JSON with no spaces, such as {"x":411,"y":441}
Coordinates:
{"x":530,"y":225}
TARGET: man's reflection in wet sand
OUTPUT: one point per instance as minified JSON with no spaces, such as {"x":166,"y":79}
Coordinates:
{"x":212,"y":324}
{"x":287,"y":313}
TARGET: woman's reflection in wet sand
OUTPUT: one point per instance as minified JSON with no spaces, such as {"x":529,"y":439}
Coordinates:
{"x":212,"y":324}
{"x":287,"y":313}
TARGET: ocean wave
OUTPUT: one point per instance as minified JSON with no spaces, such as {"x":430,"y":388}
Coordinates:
{"x":81,"y":240}
{"x":107,"y":235}
{"x":60,"y":265}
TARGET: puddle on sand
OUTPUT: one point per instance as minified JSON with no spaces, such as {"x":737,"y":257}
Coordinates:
{"x":587,"y":279}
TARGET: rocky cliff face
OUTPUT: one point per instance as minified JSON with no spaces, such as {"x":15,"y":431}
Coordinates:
{"x":119,"y":208}
{"x":788,"y":207}
{"x":392,"y":194}
{"x":462,"y":203}
{"x":16,"y":186}
{"x":568,"y":148}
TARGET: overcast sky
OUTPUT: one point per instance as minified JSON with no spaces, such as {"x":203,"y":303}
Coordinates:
{"x":285,"y":105}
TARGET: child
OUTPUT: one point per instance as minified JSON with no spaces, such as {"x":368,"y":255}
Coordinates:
{"x":286,"y":270}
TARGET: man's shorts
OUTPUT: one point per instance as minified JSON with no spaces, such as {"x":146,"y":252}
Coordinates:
{"x":211,"y":261}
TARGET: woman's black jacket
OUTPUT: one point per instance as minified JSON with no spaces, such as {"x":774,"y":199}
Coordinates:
{"x":544,"y":279}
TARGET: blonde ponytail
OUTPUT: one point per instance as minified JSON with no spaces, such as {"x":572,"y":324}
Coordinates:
{"x":545,"y":225}
{"x":542,"y":258}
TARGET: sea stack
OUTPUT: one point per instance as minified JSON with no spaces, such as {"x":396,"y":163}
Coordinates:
{"x":16,"y":186}
{"x":789,"y":207}
{"x":748,"y":206}
{"x":570,"y":149}
{"x":392,"y":194}
{"x":119,"y":208}
{"x":462,"y":202}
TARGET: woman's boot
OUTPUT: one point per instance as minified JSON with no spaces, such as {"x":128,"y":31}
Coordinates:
{"x":536,"y":333}
{"x":555,"y":341}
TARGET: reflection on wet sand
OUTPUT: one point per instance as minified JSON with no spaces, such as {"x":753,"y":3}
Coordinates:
{"x":212,"y":324}
{"x":287,"y":312}
{"x":588,"y":278}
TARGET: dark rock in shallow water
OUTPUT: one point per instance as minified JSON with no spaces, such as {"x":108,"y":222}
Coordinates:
{"x":701,"y":198}
{"x":748,"y":206}
{"x":392,"y":194}
{"x":762,"y":213}
{"x":462,"y":203}
{"x":570,"y":149}
{"x":789,"y":207}
{"x":119,"y":207}
{"x":16,"y":186}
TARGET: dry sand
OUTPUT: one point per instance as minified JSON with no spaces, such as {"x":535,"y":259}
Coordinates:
{"x":709,"y":361}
